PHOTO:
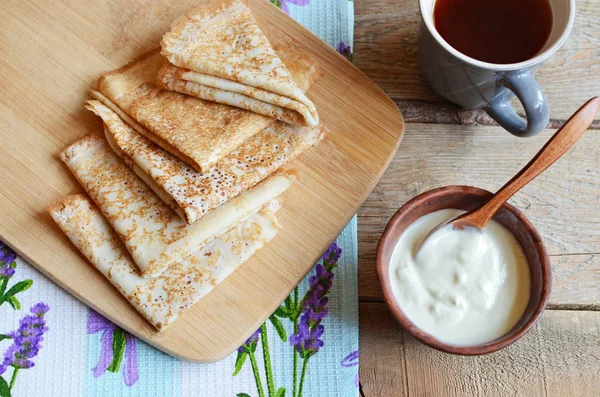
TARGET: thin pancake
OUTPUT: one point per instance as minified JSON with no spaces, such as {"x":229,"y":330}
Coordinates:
{"x":198,"y":132}
{"x":160,"y":192}
{"x":142,"y":130}
{"x":156,"y":237}
{"x":218,"y":53}
{"x":196,"y":194}
{"x":161,"y":300}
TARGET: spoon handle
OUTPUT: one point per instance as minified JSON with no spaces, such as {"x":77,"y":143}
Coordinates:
{"x":560,"y":142}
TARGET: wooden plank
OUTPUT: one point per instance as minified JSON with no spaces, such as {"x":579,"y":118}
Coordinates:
{"x":562,"y":203}
{"x":51,"y":52}
{"x":386,"y":48}
{"x":560,"y":356}
{"x":382,"y":368}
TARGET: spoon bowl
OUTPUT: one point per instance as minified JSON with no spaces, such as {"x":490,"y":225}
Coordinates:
{"x":558,"y":145}
{"x":468,"y":198}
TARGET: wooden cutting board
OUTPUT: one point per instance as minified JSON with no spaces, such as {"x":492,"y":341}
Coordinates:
{"x":52,"y":52}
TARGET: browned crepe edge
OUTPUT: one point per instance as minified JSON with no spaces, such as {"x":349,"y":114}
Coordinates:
{"x":143,"y":130}
{"x":286,"y":53}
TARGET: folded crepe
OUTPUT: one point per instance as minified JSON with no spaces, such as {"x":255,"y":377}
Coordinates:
{"x":218,"y":53}
{"x":193,"y":194}
{"x":156,"y":237}
{"x":198,"y":132}
{"x":161,"y":300}
{"x":160,"y":192}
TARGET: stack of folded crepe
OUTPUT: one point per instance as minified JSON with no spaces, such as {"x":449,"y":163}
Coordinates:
{"x":185,"y":183}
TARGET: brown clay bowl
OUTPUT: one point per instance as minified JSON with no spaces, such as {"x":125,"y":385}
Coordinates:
{"x":467,"y":198}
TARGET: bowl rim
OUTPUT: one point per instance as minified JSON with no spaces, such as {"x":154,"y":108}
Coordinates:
{"x":382,"y":267}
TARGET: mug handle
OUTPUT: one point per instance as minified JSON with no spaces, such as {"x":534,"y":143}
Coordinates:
{"x":524,"y":86}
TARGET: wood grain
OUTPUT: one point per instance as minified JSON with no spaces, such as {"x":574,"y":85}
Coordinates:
{"x":562,"y":202}
{"x":386,"y":48}
{"x":51,"y":52}
{"x":560,"y":356}
{"x":554,"y":149}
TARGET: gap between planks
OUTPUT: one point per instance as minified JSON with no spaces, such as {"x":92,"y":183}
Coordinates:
{"x":448,"y":113}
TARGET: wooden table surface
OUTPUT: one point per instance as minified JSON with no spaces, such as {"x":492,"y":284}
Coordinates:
{"x":445,"y":145}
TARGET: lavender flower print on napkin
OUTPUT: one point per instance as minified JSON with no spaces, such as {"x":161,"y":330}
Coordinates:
{"x":8,"y":267}
{"x":7,"y":258}
{"x":345,"y":50}
{"x":116,"y":344}
{"x":307,"y":338}
{"x":305,"y":317}
{"x":27,"y":339}
{"x":351,"y":360}
{"x":283,"y":4}
{"x":26,"y":344}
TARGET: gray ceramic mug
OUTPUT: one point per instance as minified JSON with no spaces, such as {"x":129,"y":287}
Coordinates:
{"x":474,"y":84}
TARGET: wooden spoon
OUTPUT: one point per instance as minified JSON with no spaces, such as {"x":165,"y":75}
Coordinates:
{"x":560,"y":142}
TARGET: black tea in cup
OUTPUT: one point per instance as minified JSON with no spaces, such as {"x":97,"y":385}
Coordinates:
{"x":494,"y":31}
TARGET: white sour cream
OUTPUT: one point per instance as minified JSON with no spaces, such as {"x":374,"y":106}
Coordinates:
{"x":465,"y":287}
